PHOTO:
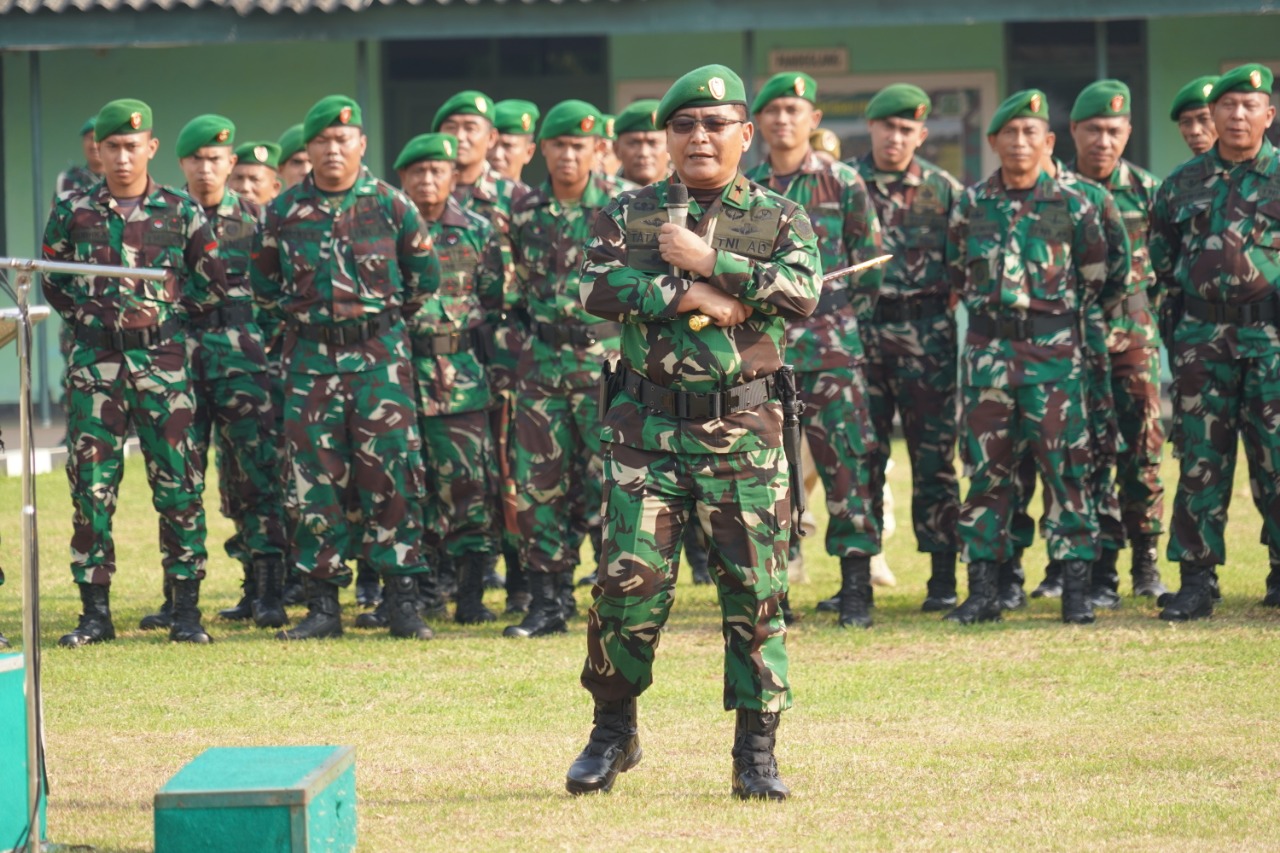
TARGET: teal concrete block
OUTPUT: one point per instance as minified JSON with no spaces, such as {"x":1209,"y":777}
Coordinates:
{"x":269,"y":799}
{"x":15,"y":807}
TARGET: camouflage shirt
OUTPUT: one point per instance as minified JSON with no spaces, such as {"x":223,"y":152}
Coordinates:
{"x":494,"y":197}
{"x":844,"y":218}
{"x":167,"y":230}
{"x":1215,"y":233}
{"x":318,"y":261}
{"x":470,"y":295}
{"x":775,"y":270}
{"x":76,"y":178}
{"x":1134,"y":191}
{"x":547,"y":238}
{"x":1043,"y":245}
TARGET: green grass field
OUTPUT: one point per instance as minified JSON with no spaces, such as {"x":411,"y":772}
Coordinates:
{"x":1129,"y":734}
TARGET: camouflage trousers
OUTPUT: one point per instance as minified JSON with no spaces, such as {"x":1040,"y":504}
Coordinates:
{"x":461,"y":469}
{"x":999,"y":425}
{"x":556,"y":464}
{"x":837,"y":424}
{"x":1217,"y":400}
{"x":151,"y":390}
{"x":1135,"y":386}
{"x":354,"y":468}
{"x":740,"y":501}
{"x":921,"y":388}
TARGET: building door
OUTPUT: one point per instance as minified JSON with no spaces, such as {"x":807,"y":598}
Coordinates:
{"x":1062,"y":57}
{"x":418,"y":76}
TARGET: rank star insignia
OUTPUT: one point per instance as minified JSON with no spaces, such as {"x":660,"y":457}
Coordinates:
{"x":223,"y":135}
{"x":526,"y":121}
{"x":716,"y":87}
{"x":1255,"y":79}
{"x":798,"y":85}
{"x":260,"y":153}
{"x":587,"y":123}
{"x":135,"y":120}
{"x":344,"y":115}
{"x":481,"y":106}
{"x":920,"y":108}
{"x":1117,"y":103}
{"x":1035,"y":104}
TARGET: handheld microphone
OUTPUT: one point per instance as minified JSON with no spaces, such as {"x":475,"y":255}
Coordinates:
{"x":678,"y":214}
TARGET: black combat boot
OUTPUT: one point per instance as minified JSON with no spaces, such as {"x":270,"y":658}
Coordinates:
{"x":403,"y":620}
{"x":368,"y":585}
{"x":982,"y":604}
{"x":546,"y":611}
{"x":162,"y":618}
{"x":294,"y":593}
{"x":518,"y":596}
{"x":244,"y":607}
{"x":378,"y":617}
{"x":268,"y":607}
{"x":95,"y":622}
{"x":431,"y":603}
{"x":941,"y":587}
{"x":1010,"y":581}
{"x":829,"y":605}
{"x":446,"y":577}
{"x":1077,"y":603}
{"x":1145,"y":571}
{"x":855,"y":591}
{"x":4,"y":643}
{"x":1051,"y":586}
{"x":1272,"y":598}
{"x":186,"y":627}
{"x":324,"y":613}
{"x":755,"y":770}
{"x":695,"y":551}
{"x":568,"y":603}
{"x":1194,"y":600}
{"x":493,"y":580}
{"x":612,"y":748}
{"x":1104,"y":580}
{"x":469,"y":606}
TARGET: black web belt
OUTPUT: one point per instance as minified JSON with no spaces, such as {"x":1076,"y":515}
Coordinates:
{"x":126,"y":339}
{"x":577,"y":334}
{"x":1020,"y":328}
{"x":692,"y":405}
{"x":347,"y":334}
{"x":1134,"y":304}
{"x":833,"y":301}
{"x":910,"y":308}
{"x":1235,"y":313}
{"x":224,"y":316}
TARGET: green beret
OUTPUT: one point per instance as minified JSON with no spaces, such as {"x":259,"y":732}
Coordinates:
{"x":1243,"y":78}
{"x":608,"y":132}
{"x":1101,"y":99}
{"x":707,"y":86}
{"x":468,"y":103}
{"x":1193,"y":95}
{"x":788,"y":84}
{"x":203,"y":131}
{"x":258,"y":154}
{"x":291,"y":142}
{"x":1029,"y":103}
{"x":335,"y":109}
{"x":637,"y":117}
{"x":900,"y":100}
{"x":87,"y":127}
{"x":516,"y":116}
{"x":124,"y":116}
{"x":428,"y":146}
{"x":571,"y":118}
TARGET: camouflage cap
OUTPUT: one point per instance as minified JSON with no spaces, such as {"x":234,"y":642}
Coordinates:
{"x":1243,"y":78}
{"x":428,"y":146}
{"x":465,"y":103}
{"x":123,"y":116}
{"x":1102,"y":99}
{"x":1192,"y":96}
{"x":788,"y":84}
{"x":710,"y":85}
{"x":330,"y":111}
{"x":900,"y":100}
{"x":291,"y":142}
{"x":1029,"y":103}
{"x":516,"y":116}
{"x":87,"y":127}
{"x":571,"y":118}
{"x":258,"y":154}
{"x":204,"y":131}
{"x":638,"y":117}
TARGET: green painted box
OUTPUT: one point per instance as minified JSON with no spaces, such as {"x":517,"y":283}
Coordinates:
{"x":15,"y":808}
{"x":270,"y":799}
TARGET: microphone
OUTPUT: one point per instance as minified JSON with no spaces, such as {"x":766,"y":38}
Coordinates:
{"x":678,"y":214}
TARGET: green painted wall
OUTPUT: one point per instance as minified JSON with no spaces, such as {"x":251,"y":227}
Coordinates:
{"x":1180,"y":49}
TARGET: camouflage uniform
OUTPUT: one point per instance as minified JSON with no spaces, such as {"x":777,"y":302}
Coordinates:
{"x":343,"y":270}
{"x":826,"y":349}
{"x":129,"y":366}
{"x":454,"y":397}
{"x":729,"y":471}
{"x":78,"y":178}
{"x":232,"y":391}
{"x":1023,"y":373}
{"x":556,"y":458}
{"x":911,"y":346}
{"x":1215,"y":249}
